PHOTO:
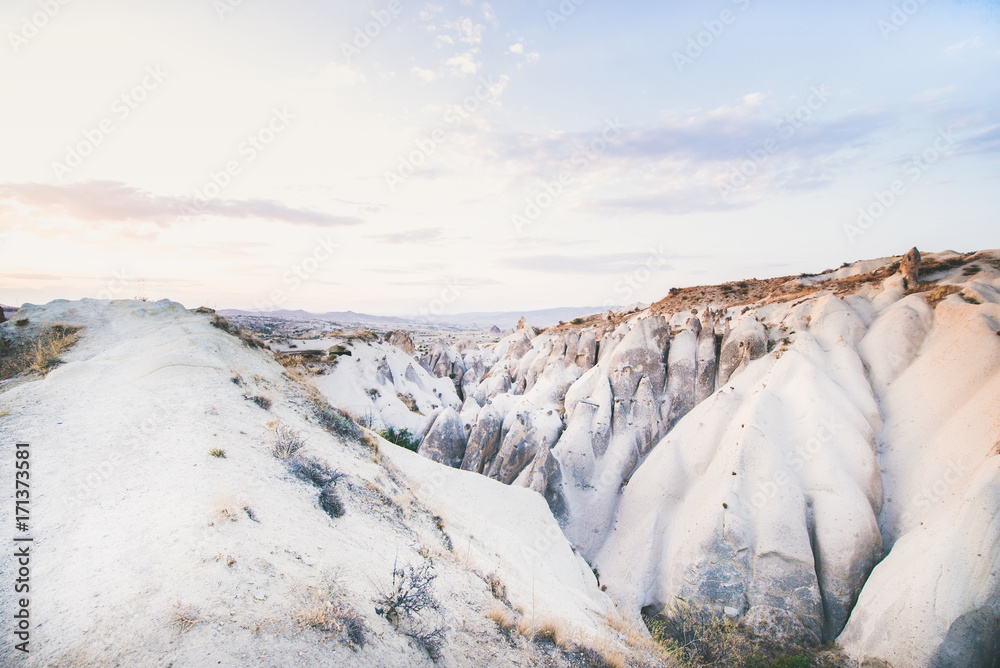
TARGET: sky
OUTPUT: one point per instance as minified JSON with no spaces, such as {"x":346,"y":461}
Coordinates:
{"x":410,"y":158}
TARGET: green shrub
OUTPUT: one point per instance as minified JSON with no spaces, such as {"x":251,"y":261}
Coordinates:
{"x":402,"y":437}
{"x":217,"y":452}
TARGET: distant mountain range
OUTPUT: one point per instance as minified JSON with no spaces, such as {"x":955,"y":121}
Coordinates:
{"x":479,"y":320}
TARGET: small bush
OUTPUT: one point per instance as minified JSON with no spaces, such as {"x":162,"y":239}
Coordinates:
{"x":312,"y":471}
{"x":497,"y":587}
{"x":330,"y":502}
{"x":334,"y":420}
{"x":410,"y":592}
{"x":217,"y":452}
{"x":23,"y":322}
{"x":703,"y":638}
{"x":410,"y":595}
{"x":402,"y":437}
{"x":260,"y":400}
{"x":334,"y":617}
{"x":287,"y":441}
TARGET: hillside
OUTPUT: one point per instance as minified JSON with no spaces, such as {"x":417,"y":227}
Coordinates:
{"x":800,"y":462}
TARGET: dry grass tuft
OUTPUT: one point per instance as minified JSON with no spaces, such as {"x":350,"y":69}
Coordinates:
{"x":39,"y":353}
{"x":185,"y":617}
{"x":935,"y":294}
{"x":502,"y":617}
{"x":286,"y":441}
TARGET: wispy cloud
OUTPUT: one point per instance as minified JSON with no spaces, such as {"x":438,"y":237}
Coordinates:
{"x":113,"y":201}
{"x":418,"y":236}
{"x":610,"y":263}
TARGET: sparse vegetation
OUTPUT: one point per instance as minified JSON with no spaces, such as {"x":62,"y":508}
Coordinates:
{"x":700,"y":639}
{"x":185,"y":617}
{"x":401,"y":437}
{"x":260,"y":400}
{"x":217,"y":452}
{"x":409,"y":402}
{"x":502,"y":616}
{"x":287,"y":441}
{"x":326,"y":611}
{"x":334,"y":420}
{"x":39,"y":352}
{"x":330,"y":501}
{"x":219,"y":322}
{"x":577,"y":321}
{"x":406,"y":603}
{"x":497,"y":586}
{"x":313,"y":471}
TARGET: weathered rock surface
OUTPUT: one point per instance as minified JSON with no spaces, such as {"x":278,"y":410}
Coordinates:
{"x":445,"y":440}
{"x":909,"y":267}
{"x":402,"y":341}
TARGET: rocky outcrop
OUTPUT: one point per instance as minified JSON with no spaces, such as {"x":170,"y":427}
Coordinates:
{"x":816,"y":465}
{"x":401,"y":340}
{"x":484,"y":440}
{"x":909,"y":267}
{"x":524,"y":326}
{"x":527,"y":435}
{"x":445,"y":440}
{"x":742,"y":344}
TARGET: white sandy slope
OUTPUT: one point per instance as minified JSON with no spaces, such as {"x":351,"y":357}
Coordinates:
{"x":134,"y":522}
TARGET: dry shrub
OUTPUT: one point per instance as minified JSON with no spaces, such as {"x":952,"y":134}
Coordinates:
{"x":703,"y":638}
{"x":935,"y":294}
{"x":37,"y":352}
{"x":497,"y":586}
{"x":326,"y":611}
{"x":185,"y":617}
{"x":286,"y":441}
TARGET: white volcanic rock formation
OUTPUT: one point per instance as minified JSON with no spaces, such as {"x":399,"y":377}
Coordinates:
{"x":816,"y":456}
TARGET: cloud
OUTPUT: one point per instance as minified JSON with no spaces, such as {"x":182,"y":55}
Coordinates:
{"x":463,"y":63}
{"x":113,"y":201}
{"x":986,"y":140}
{"x":419,"y":236}
{"x":425,"y":75}
{"x":609,"y":263}
{"x":970,"y":43}
{"x":516,"y":48}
